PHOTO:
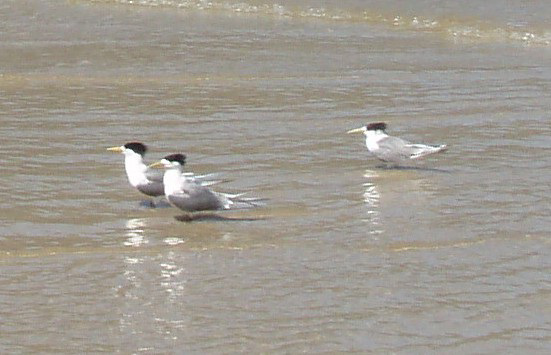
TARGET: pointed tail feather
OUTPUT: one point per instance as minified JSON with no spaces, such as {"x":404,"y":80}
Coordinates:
{"x":424,"y":150}
{"x":205,"y":179}
{"x":213,"y":182}
{"x":237,"y":201}
{"x":208,"y":176}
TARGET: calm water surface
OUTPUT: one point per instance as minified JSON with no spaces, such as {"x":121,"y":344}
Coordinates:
{"x":451,"y":255}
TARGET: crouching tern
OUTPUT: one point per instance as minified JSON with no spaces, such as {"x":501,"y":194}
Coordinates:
{"x":150,"y":181}
{"x":190,"y":196}
{"x":393,"y":149}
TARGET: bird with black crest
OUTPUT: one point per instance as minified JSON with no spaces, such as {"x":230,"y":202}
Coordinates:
{"x":149,"y":181}
{"x":393,"y":149}
{"x":190,"y":196}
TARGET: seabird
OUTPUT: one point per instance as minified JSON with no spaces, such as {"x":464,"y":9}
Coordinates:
{"x":393,"y":149}
{"x":190,"y":196}
{"x":149,"y":181}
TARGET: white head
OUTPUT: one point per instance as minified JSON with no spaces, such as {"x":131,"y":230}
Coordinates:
{"x":371,"y":130}
{"x":172,"y":179}
{"x":130,"y":149}
{"x":133,"y":161}
{"x":172,"y":161}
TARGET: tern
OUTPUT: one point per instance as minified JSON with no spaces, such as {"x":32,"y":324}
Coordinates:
{"x":149,"y":181}
{"x":190,"y":196}
{"x":393,"y":149}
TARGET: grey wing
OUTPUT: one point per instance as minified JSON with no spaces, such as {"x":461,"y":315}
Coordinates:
{"x":153,"y":189}
{"x":421,"y":150}
{"x":393,"y":149}
{"x":195,"y":197}
{"x":155,"y":175}
{"x":204,"y":179}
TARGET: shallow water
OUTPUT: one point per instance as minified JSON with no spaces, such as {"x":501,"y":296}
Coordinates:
{"x":448,"y":255}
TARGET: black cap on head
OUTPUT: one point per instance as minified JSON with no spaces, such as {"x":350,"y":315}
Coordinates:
{"x":378,"y":126}
{"x":137,"y":147}
{"x":180,"y":158}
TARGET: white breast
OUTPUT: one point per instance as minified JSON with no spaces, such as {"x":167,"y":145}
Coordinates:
{"x":135,"y":169}
{"x":172,"y":181}
{"x":372,"y":139}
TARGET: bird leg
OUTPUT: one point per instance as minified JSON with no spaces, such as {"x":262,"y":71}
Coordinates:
{"x":147,"y":204}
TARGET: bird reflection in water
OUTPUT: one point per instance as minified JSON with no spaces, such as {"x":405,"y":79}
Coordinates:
{"x":173,"y":241}
{"x":372,"y":203}
{"x":171,"y":279}
{"x":161,"y":276}
{"x":135,"y":232}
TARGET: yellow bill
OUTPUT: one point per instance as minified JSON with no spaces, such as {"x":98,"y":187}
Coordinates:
{"x":156,"y":165}
{"x":356,"y":130}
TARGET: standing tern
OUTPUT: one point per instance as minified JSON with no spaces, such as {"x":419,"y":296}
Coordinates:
{"x":393,"y":149}
{"x":149,"y":181}
{"x":190,"y":196}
